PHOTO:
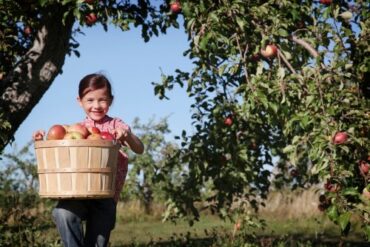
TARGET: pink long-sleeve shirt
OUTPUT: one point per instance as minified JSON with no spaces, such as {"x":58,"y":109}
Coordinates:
{"x":109,"y":124}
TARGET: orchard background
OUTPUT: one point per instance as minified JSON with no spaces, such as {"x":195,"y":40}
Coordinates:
{"x":279,"y":89}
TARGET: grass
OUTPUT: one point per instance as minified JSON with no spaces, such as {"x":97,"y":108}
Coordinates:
{"x":289,"y":217}
{"x":154,"y":230}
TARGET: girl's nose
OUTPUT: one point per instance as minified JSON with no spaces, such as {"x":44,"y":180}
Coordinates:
{"x":96,"y":104}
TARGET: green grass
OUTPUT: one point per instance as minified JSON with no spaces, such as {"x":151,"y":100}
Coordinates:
{"x":144,"y":232}
{"x":306,"y":232}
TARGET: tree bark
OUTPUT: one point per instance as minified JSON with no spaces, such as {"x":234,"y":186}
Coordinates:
{"x":22,"y":89}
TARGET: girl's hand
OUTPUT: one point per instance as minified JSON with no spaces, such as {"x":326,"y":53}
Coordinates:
{"x":121,"y":133}
{"x":38,"y":135}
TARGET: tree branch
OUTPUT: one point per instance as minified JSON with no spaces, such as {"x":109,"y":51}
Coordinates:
{"x":308,"y":47}
{"x":305,"y":45}
{"x":281,"y":55}
{"x":22,"y":89}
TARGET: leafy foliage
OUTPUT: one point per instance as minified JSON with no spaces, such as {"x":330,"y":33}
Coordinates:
{"x":285,"y":109}
{"x":258,"y":119}
{"x":24,"y":217}
{"x":142,"y":181}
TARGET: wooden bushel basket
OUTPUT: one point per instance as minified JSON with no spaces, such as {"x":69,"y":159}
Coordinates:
{"x":76,"y":168}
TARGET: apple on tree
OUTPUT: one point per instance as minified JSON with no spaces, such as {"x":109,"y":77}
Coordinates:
{"x":27,"y":30}
{"x":90,"y":19}
{"x":326,"y":2}
{"x":228,"y":121}
{"x":332,"y":187}
{"x":364,"y":167}
{"x":340,"y":137}
{"x":270,"y":51}
{"x":56,"y":132}
{"x":175,"y":7}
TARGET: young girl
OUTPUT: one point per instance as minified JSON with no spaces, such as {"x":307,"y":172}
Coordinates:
{"x":95,"y":97}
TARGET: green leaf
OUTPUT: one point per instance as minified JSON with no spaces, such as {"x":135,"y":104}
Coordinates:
{"x":240,"y":23}
{"x":289,"y":148}
{"x":213,"y":17}
{"x":221,"y":69}
{"x":204,"y":41}
{"x":343,"y":220}
{"x":367,"y":232}
{"x":350,"y":191}
{"x":282,"y":32}
{"x":332,"y":213}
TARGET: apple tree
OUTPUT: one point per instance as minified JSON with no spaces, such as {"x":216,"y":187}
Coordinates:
{"x":142,"y":182}
{"x":280,"y":94}
{"x":37,"y":35}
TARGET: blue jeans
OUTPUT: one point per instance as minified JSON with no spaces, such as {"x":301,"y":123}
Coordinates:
{"x":100,"y":217}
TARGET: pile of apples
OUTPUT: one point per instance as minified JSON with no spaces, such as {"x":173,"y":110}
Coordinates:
{"x":76,"y":132}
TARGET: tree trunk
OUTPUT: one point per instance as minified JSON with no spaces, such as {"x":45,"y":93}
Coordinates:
{"x":22,"y":89}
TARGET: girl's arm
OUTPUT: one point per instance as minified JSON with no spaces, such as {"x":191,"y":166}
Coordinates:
{"x":126,"y":137}
{"x":133,"y":142}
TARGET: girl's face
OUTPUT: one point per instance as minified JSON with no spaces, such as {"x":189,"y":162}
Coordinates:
{"x":96,"y":103}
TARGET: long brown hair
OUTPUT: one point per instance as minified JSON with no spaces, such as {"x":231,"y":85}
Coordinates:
{"x":92,"y":82}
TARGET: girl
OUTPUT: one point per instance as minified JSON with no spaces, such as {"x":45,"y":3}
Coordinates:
{"x":95,"y":97}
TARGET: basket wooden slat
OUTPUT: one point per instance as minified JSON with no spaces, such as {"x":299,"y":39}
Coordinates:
{"x":76,"y":168}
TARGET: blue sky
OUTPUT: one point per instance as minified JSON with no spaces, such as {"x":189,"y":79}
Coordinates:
{"x":131,"y":65}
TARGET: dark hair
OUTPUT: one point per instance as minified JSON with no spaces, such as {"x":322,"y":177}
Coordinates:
{"x":92,"y":82}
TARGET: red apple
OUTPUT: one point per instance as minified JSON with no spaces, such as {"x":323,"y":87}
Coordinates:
{"x":93,"y":130}
{"x":90,"y":19}
{"x":94,"y":136}
{"x":326,"y":2}
{"x":340,"y":137}
{"x":364,"y":167}
{"x":269,"y":51}
{"x":56,"y":132}
{"x":105,"y":135}
{"x":74,"y":135}
{"x":79,"y":128}
{"x":89,"y":1}
{"x":332,"y":187}
{"x":228,"y":121}
{"x":175,"y":7}
{"x":27,"y":30}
